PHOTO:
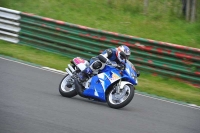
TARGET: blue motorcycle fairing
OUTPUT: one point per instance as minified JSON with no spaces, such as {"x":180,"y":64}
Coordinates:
{"x":130,"y":72}
{"x":100,"y":83}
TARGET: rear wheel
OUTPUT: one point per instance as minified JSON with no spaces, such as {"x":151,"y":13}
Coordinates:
{"x":67,"y":91}
{"x":121,"y":99}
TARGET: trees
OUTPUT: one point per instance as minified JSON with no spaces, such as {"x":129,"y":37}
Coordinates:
{"x":146,"y":2}
{"x":193,"y":10}
{"x":163,"y":8}
{"x":189,"y":9}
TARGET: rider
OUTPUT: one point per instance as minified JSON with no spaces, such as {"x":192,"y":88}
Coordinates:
{"x":119,"y":55}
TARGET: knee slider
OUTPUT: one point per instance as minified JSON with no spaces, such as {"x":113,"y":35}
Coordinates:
{"x":97,"y":65}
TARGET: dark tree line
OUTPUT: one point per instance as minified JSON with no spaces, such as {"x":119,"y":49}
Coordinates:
{"x":189,"y":9}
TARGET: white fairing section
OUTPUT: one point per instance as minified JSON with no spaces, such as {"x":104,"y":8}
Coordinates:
{"x":124,"y":83}
{"x":128,"y":71}
{"x":82,"y":66}
{"x":95,"y":93}
{"x":102,"y":77}
{"x":80,"y":63}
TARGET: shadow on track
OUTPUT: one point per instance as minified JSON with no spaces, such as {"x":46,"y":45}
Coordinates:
{"x":102,"y":104}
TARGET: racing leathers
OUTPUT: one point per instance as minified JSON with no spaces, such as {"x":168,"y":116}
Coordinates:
{"x":98,"y":63}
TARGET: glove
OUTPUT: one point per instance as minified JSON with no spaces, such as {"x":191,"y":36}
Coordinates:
{"x":111,"y":63}
{"x":108,"y":62}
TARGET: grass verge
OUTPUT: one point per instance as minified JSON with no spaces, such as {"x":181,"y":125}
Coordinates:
{"x":163,"y":22}
{"x":160,"y":86}
{"x":34,"y":55}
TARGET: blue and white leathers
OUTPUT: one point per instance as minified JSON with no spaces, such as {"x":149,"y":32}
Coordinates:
{"x":97,"y":85}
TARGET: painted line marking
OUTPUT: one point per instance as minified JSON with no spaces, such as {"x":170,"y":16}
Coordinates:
{"x":41,"y":68}
{"x":185,"y":105}
{"x":54,"y":70}
{"x":193,"y":106}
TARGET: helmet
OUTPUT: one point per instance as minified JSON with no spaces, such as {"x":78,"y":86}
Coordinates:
{"x":123,"y":53}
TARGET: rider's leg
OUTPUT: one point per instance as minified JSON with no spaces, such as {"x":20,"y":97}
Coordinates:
{"x":86,"y":72}
{"x":93,"y":68}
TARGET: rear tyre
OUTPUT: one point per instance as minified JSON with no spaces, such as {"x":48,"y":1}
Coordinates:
{"x":120,"y":100}
{"x":66,"y":91}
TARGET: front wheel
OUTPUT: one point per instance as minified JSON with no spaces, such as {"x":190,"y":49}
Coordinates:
{"x":119,"y":100}
{"x":66,"y":91}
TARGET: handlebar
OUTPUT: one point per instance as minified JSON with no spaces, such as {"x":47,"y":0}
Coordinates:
{"x":121,"y":66}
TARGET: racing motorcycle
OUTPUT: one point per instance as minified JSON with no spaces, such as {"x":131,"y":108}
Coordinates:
{"x":113,"y":84}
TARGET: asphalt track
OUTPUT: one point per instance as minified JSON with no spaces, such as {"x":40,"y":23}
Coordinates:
{"x":30,"y":103}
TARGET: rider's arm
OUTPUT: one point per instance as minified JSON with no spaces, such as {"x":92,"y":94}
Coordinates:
{"x":104,"y":57}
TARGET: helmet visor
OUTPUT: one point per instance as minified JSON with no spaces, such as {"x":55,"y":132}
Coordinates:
{"x":124,"y":56}
{"x":127,"y":57}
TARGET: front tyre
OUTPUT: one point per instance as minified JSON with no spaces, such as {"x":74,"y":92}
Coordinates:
{"x":119,"y":100}
{"x":66,"y":91}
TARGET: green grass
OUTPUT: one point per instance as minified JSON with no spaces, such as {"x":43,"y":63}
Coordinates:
{"x":163,"y":22}
{"x":34,"y":55}
{"x":169,"y":88}
{"x":160,"y":86}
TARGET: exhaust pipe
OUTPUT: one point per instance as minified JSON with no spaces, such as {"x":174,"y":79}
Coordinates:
{"x":71,"y":68}
{"x":68,"y":71}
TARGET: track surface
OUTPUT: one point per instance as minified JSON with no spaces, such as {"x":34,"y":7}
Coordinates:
{"x":30,"y":103}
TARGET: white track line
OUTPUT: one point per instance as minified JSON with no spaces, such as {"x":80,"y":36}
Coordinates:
{"x":193,"y":106}
{"x":185,"y":105}
{"x":41,"y":68}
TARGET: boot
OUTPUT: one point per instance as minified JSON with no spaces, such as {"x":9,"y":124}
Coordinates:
{"x":82,"y":77}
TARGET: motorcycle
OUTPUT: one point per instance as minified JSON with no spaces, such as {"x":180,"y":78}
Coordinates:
{"x":113,"y":84}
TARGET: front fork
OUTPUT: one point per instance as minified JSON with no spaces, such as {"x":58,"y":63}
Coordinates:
{"x":118,"y":86}
{"x":72,"y":72}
